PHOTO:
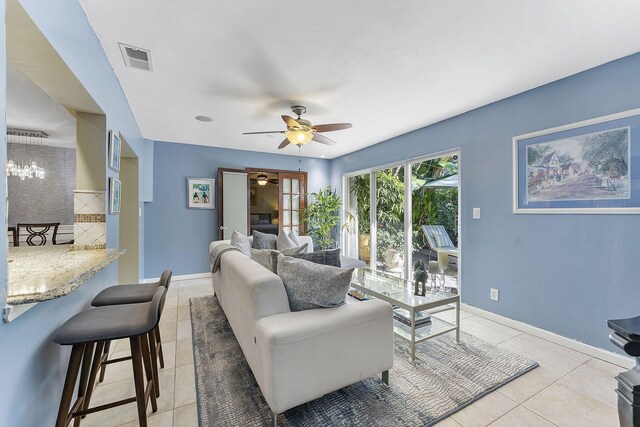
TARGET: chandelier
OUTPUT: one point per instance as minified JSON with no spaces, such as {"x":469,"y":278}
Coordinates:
{"x":25,"y":167}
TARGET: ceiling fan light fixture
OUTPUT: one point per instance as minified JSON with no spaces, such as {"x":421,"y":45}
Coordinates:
{"x":262,"y":179}
{"x":299,"y":137}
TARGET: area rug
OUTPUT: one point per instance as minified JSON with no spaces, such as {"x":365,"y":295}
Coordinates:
{"x":444,"y":378}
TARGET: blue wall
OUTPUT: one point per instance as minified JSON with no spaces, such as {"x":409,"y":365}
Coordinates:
{"x":32,"y":368}
{"x":177,"y":237}
{"x":563,"y":273}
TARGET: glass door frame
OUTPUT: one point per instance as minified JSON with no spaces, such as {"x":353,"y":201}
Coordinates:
{"x":408,"y":203}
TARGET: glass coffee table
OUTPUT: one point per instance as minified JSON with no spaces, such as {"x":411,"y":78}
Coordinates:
{"x":411,"y":320}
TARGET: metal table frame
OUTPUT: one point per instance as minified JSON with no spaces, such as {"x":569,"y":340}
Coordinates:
{"x":414,"y":309}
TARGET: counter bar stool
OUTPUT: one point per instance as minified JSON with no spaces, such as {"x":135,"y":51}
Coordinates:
{"x":133,"y":294}
{"x":91,"y":329}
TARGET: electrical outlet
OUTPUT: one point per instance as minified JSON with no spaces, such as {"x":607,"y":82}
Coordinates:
{"x":494,"y":294}
{"x":476,"y":213}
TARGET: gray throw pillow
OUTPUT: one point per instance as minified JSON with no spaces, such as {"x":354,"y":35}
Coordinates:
{"x":329,"y":257}
{"x":302,"y":249}
{"x":310,"y":285}
{"x":264,"y":240}
{"x":268,"y":258}
{"x":284,"y":242}
{"x":241,"y":242}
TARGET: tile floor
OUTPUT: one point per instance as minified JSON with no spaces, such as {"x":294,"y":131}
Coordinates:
{"x":568,"y":389}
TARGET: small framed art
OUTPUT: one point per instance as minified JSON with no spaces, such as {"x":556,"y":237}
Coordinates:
{"x":200,"y":193}
{"x":114,"y":150}
{"x":115,"y":195}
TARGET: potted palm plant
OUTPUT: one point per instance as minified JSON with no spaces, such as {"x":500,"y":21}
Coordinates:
{"x":322,"y":216}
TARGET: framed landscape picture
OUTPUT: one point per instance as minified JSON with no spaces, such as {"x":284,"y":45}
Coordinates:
{"x":590,"y":167}
{"x":114,"y":150}
{"x":200,"y":193}
{"x":115,"y":195}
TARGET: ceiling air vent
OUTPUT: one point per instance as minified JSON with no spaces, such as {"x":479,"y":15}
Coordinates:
{"x":136,"y":57}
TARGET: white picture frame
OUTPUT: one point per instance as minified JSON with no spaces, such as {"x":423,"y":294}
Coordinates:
{"x":115,"y":195}
{"x":201,"y":193}
{"x":115,"y":149}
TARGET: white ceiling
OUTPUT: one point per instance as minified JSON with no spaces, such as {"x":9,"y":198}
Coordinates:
{"x":388,"y":67}
{"x":29,"y":107}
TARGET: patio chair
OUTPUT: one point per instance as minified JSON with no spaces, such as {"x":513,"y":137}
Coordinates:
{"x":438,"y":240}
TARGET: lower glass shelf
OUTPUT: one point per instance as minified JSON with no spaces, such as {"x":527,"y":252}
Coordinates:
{"x":436,"y":327}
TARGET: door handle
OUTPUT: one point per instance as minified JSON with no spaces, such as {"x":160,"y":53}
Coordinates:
{"x":222,"y":228}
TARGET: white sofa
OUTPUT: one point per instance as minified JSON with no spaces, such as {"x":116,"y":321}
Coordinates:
{"x":300,"y":356}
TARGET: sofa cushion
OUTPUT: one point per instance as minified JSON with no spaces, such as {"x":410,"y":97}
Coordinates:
{"x":329,"y":257}
{"x":264,"y":240}
{"x":242,"y":242}
{"x":284,"y":241}
{"x":310,"y":285}
{"x":294,"y":237}
{"x":296,"y":250}
{"x":348,"y":262}
{"x":268,"y":258}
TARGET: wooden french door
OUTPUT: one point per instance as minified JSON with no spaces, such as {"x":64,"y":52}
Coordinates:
{"x":292,"y":189}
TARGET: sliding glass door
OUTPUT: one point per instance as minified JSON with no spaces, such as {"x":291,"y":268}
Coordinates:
{"x":390,"y":207}
{"x":404,"y":215}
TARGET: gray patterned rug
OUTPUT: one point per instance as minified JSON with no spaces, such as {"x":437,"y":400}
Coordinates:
{"x":445,"y":378}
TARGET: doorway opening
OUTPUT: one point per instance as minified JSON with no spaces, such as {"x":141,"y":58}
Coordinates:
{"x":265,"y":200}
{"x":129,"y":263}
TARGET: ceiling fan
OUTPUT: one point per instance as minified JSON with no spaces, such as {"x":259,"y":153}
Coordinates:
{"x":300,"y":131}
{"x":262,"y":179}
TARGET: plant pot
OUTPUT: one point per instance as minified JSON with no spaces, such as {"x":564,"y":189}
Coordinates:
{"x":364,"y":250}
{"x":393,"y":259}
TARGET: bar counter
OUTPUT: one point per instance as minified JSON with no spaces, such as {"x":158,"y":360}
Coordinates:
{"x":41,"y":273}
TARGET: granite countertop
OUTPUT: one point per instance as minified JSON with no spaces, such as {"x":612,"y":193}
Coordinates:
{"x":41,"y":273}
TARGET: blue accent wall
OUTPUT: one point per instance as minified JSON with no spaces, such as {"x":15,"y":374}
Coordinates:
{"x":564,"y":273}
{"x":178,"y":237}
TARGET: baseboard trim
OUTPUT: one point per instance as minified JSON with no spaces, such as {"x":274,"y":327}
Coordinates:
{"x":180,"y":277}
{"x":589,"y":350}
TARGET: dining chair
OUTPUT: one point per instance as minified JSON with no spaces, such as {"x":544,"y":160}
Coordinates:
{"x":37,"y":233}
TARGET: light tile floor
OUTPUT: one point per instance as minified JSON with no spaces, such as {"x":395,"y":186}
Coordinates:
{"x":568,"y":389}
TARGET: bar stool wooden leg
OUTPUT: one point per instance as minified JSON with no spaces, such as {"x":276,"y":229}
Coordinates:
{"x":146,"y":359}
{"x":69,"y":385}
{"x":84,"y":378}
{"x":95,"y":367}
{"x":154,"y":360}
{"x":105,"y":356}
{"x":136,"y":358}
{"x":159,"y":341}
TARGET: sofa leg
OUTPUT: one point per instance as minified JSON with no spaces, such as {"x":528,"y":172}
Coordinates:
{"x":385,"y":378}
{"x":274,"y":419}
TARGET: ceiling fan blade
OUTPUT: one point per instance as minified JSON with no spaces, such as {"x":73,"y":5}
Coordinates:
{"x":258,"y":133}
{"x":290,"y":121}
{"x":332,"y":126}
{"x":283,"y":144}
{"x":323,"y":139}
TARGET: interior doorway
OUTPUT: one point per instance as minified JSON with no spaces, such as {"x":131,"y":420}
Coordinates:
{"x":129,"y":263}
{"x":274,"y":200}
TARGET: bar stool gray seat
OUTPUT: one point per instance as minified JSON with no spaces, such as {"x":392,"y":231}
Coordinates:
{"x":90,"y":330}
{"x":133,"y":294}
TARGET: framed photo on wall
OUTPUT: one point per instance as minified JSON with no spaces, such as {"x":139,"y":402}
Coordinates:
{"x":200,"y":193}
{"x":589,"y":167}
{"x":114,"y":150}
{"x":115,"y":195}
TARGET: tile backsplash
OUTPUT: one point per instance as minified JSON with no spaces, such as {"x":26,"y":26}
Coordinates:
{"x":89,"y":208}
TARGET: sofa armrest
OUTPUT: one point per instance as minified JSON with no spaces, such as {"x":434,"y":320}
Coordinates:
{"x":306,"y":354}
